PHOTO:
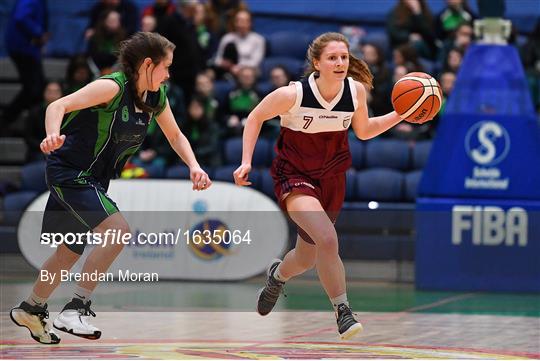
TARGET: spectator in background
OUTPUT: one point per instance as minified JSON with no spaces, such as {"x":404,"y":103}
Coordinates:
{"x":104,"y":44}
{"x":411,"y":22}
{"x":447,"y":81}
{"x":159,"y":10}
{"x":241,"y":101}
{"x":461,"y":39}
{"x":406,"y":55}
{"x":204,"y":90}
{"x":26,"y":33}
{"x":205,"y":39}
{"x":202,"y":133}
{"x":148,"y":23}
{"x":382,"y":79}
{"x":177,"y":102}
{"x":78,"y":74}
{"x":179,"y":28}
{"x":453,"y":60}
{"x":399,"y":72}
{"x":220,"y":14}
{"x":128,"y":13}
{"x":153,"y":155}
{"x":241,"y":47}
{"x":530,"y":54}
{"x":278,"y":77}
{"x":455,"y":13}
{"x":34,"y":121}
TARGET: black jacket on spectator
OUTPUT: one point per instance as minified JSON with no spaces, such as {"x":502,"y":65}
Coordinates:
{"x":187,"y":57}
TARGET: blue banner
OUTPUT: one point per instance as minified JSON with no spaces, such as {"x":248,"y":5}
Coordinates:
{"x":488,"y":141}
{"x":478,"y":215}
{"x":480,"y":245}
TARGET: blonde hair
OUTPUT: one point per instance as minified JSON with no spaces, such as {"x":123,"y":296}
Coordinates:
{"x":358,"y":69}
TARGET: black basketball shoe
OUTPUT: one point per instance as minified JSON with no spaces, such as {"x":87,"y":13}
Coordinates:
{"x":348,"y":327}
{"x":269,"y":294}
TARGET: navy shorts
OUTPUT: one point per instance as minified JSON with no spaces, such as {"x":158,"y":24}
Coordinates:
{"x":75,"y":205}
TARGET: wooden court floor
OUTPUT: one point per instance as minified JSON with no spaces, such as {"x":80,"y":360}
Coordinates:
{"x":173,"y":320}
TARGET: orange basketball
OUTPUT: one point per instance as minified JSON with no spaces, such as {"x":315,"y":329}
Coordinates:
{"x":417,"y":97}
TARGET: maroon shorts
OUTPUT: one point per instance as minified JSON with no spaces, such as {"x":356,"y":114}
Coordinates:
{"x":329,"y":191}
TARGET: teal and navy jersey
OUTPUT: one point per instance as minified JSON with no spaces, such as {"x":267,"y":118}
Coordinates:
{"x":99,"y":140}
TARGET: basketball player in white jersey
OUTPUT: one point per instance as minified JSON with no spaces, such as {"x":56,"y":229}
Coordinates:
{"x":312,"y":158}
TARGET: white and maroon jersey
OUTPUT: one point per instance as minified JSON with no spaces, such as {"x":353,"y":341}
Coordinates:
{"x":314,"y":132}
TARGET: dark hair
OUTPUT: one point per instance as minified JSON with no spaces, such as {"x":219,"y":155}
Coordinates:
{"x":76,"y":62}
{"x":102,"y":34}
{"x":403,"y":12}
{"x":132,"y":53}
{"x":410,"y":56}
{"x":358,"y":68}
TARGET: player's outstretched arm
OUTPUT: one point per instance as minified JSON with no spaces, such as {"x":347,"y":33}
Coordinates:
{"x":181,"y":146}
{"x":365,"y":127}
{"x":277,"y":102}
{"x":101,"y":91}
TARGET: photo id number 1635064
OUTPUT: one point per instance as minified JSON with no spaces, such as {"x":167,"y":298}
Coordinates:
{"x":217,"y":236}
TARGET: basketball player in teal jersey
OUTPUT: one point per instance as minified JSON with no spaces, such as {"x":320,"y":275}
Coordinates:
{"x":309,"y":169}
{"x":90,"y":135}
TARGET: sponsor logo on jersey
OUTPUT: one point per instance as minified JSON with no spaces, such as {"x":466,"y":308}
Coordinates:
{"x":347,"y":121}
{"x":125,"y":113}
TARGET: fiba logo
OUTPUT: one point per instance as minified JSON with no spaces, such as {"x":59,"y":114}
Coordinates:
{"x":487,"y":143}
{"x":210,"y":239}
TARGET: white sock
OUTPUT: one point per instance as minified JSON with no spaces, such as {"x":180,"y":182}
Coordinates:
{"x":336,"y":301}
{"x":82,"y":294}
{"x":277,"y":275}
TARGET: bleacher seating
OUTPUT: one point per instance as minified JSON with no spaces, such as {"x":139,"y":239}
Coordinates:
{"x":379,"y":184}
{"x":33,"y":177}
{"x":412,"y":179}
{"x":178,"y":172}
{"x":420,"y":153}
{"x":233,"y":152}
{"x":357,"y":148}
{"x":222,"y":89}
{"x":267,"y":184}
{"x":15,"y":204}
{"x":294,"y":66}
{"x":388,"y":153}
{"x":288,"y":44}
{"x":12,"y":151}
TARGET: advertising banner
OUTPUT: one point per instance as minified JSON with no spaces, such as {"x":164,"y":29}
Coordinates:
{"x":223,"y":233}
{"x":479,"y":197}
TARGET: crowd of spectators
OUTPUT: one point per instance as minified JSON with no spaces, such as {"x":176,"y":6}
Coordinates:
{"x":216,"y":44}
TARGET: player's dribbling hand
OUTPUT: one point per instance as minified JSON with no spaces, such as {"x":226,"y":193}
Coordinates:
{"x":241,"y":175}
{"x":51,"y":143}
{"x":199,"y":178}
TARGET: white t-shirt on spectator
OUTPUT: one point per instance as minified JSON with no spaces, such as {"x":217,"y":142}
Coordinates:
{"x":250,"y":48}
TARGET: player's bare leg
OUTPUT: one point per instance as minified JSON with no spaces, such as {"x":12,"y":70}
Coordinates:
{"x":307,"y":212}
{"x":295,"y":262}
{"x":298,"y":260}
{"x":75,"y":315}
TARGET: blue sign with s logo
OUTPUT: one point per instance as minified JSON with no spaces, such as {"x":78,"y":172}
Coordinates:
{"x":478,"y":211}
